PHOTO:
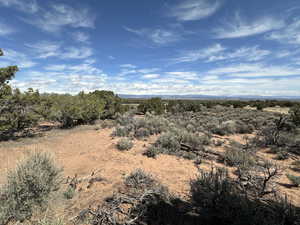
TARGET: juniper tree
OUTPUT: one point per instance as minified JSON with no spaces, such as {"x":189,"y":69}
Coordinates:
{"x":14,"y":114}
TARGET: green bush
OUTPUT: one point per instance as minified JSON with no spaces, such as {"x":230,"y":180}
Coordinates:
{"x":294,"y":179}
{"x":49,"y":221}
{"x":295,"y":114}
{"x":69,"y":193}
{"x":29,"y":186}
{"x":219,"y":199}
{"x":141,"y":133}
{"x":152,"y":151}
{"x":153,"y":105}
{"x":169,"y":142}
{"x":124,"y":144}
{"x":122,"y":131}
{"x":139,"y":179}
{"x":235,"y":157}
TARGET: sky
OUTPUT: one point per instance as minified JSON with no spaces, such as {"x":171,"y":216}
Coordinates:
{"x":161,"y":47}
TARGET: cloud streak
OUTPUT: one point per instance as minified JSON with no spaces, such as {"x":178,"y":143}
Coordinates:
{"x":238,"y":27}
{"x":27,"y":6}
{"x":190,"y":10}
{"x":61,"y":15}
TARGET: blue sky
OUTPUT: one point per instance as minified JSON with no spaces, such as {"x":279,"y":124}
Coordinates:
{"x":211,"y":47}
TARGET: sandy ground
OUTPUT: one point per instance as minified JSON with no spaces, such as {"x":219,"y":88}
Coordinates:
{"x":84,"y":150}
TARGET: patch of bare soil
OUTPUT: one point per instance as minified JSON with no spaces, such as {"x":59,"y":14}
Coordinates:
{"x":84,"y":150}
{"x":90,"y":156}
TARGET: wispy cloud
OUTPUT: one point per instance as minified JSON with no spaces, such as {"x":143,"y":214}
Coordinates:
{"x":17,"y":58}
{"x":189,"y":10}
{"x":61,"y":15}
{"x":47,"y":49}
{"x":185,"y":75}
{"x":81,"y":36}
{"x":256,"y":70}
{"x":195,"y":55}
{"x":128,"y":66}
{"x":5,"y":30}
{"x":158,"y":36}
{"x":288,"y":35}
{"x":28,"y":6}
{"x":219,"y":53}
{"x":151,"y":76}
{"x":238,"y":27}
{"x":76,"y":53}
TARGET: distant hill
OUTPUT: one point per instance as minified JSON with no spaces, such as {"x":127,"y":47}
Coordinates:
{"x":207,"y":97}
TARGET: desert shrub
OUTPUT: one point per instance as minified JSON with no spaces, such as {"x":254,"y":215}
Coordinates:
{"x":125,"y":119}
{"x":296,"y":165}
{"x":153,"y":105}
{"x":295,"y":180}
{"x":152,"y":151}
{"x":124,"y":144}
{"x":218,"y":142}
{"x":69,"y":193}
{"x":220,"y":200}
{"x":139,"y":179}
{"x":29,"y":186}
{"x":234,"y":157}
{"x":169,"y":142}
{"x":48,"y":221}
{"x":295,"y":114}
{"x":121,"y":131}
{"x":107,"y":124}
{"x":141,"y":133}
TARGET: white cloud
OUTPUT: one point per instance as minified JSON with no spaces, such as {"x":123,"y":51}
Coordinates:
{"x":290,"y":34}
{"x":151,"y":70}
{"x":76,"y":53}
{"x":244,"y":53}
{"x":195,"y":55}
{"x":255,"y":70}
{"x":130,"y":66}
{"x":151,"y":76}
{"x":28,"y":6}
{"x":81,"y":37}
{"x":86,"y":68}
{"x":61,"y":15}
{"x":218,"y":53}
{"x":17,"y":58}
{"x":241,"y":28}
{"x":183,"y":75}
{"x":58,"y":67}
{"x":158,"y":36}
{"x":189,"y":10}
{"x":5,"y":30}
{"x":47,"y":49}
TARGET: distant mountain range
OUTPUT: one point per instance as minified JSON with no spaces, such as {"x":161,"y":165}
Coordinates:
{"x":211,"y":97}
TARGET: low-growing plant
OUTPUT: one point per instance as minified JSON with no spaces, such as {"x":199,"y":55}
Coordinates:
{"x":124,"y":144}
{"x":152,"y":151}
{"x":235,"y":157}
{"x":28,"y":186}
{"x":139,"y":179}
{"x":141,"y":133}
{"x":296,"y":165}
{"x":49,"y":221}
{"x":121,"y":131}
{"x":69,"y":193}
{"x":295,"y":180}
